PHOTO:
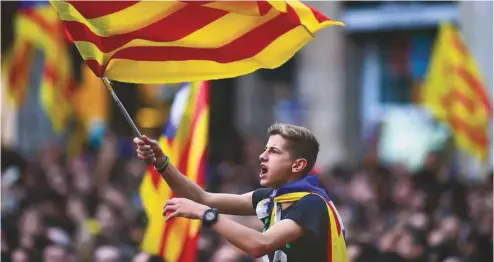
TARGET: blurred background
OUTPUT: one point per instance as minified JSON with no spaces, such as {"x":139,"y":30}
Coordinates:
{"x":409,"y":185}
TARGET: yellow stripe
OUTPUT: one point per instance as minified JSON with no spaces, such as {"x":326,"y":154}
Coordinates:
{"x":305,"y":14}
{"x":281,"y":6}
{"x":177,"y":237}
{"x":125,"y":21}
{"x":154,"y":72}
{"x":291,"y":197}
{"x":91,"y":92}
{"x":339,"y":252}
{"x":153,"y":234}
{"x":286,"y":198}
{"x":240,"y":7}
{"x":55,"y":105}
{"x":198,"y":144}
{"x":183,"y":132}
{"x":153,"y":205}
{"x":30,"y":31}
{"x":464,"y":141}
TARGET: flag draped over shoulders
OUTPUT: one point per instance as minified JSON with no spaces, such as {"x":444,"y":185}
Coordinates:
{"x":178,"y":41}
{"x":184,"y":140}
{"x":295,"y":191}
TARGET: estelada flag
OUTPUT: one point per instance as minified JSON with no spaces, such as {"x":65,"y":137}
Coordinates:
{"x":151,"y":42}
{"x":184,"y":140}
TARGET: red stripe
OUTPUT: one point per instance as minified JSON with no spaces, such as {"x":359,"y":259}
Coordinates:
{"x":197,"y":3}
{"x":68,"y":37}
{"x":190,"y":19}
{"x":201,"y":103}
{"x":244,"y":47}
{"x":457,"y":96}
{"x":292,"y":15}
{"x":338,"y":228}
{"x":264,"y":7}
{"x":319,"y":16}
{"x":201,"y":176}
{"x":34,"y":15}
{"x":459,"y":45}
{"x":475,"y":84}
{"x":90,"y":9}
{"x":189,"y":253}
{"x":21,"y":67}
{"x":337,"y":221}
{"x":155,"y":177}
{"x":95,"y":67}
{"x":477,"y":135}
{"x":164,"y":238}
{"x":50,"y":74}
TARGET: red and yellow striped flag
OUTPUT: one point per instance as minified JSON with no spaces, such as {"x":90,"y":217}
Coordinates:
{"x":17,"y":70}
{"x":150,"y":42}
{"x":455,"y":92}
{"x":40,"y":26}
{"x":184,"y":140}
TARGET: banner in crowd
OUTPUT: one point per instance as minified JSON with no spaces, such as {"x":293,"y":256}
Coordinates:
{"x":184,"y":140}
{"x":36,"y":24}
{"x":455,"y":93}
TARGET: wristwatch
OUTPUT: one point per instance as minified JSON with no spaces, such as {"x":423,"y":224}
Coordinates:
{"x":210,"y":217}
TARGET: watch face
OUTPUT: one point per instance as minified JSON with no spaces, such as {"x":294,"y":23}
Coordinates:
{"x":209,"y":216}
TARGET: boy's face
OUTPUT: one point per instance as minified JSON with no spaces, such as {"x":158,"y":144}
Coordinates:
{"x":276,"y":163}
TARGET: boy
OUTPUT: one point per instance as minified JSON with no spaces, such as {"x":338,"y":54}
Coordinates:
{"x":300,"y":221}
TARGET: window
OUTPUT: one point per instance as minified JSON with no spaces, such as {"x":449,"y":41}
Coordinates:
{"x":404,"y":57}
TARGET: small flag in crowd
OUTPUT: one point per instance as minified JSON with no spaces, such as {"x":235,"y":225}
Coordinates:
{"x":184,"y":140}
{"x":37,"y":23}
{"x":17,"y":70}
{"x":455,"y":93}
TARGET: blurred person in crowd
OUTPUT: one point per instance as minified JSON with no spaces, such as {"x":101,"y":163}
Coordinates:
{"x":20,"y":255}
{"x":229,"y":253}
{"x":145,"y":257}
{"x":299,"y":224}
{"x":107,"y":254}
{"x":55,"y":253}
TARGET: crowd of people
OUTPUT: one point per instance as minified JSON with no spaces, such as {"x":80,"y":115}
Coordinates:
{"x":87,"y":207}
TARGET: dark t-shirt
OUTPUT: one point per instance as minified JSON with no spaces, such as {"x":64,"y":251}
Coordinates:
{"x":311,"y":213}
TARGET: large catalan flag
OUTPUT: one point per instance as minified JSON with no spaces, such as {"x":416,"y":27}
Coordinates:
{"x":455,"y":92}
{"x":158,"y":42}
{"x":38,"y":24}
{"x":184,"y":140}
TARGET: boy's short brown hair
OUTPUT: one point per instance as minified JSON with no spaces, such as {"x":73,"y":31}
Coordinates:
{"x":302,"y":143}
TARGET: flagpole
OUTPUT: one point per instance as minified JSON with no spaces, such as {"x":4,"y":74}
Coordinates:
{"x":122,"y":109}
